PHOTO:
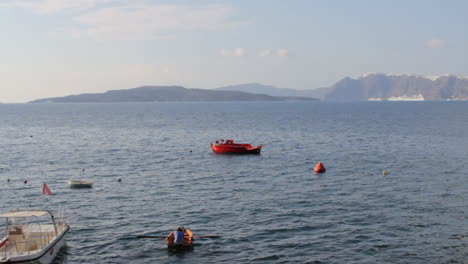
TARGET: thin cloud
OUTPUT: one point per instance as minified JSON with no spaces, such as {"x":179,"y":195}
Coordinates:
{"x":120,"y":19}
{"x":166,"y":70}
{"x":241,"y":52}
{"x":151,"y":21}
{"x":225,"y":52}
{"x":237,"y":52}
{"x":284,"y":53}
{"x":54,"y":6}
{"x":264,"y":52}
{"x":435,"y":43}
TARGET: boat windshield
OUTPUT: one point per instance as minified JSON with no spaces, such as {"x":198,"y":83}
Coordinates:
{"x":24,"y":213}
{"x":26,"y":232}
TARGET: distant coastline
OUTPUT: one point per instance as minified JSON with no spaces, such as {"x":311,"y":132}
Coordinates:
{"x":168,"y":94}
{"x":370,"y":87}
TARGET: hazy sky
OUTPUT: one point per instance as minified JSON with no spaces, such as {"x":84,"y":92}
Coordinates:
{"x":61,"y":47}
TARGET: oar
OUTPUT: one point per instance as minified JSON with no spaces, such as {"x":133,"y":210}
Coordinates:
{"x":145,"y":236}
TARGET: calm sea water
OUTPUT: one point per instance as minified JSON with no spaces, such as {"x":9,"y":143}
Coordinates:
{"x":268,"y":208}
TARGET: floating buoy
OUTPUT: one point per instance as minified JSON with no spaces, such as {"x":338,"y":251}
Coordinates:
{"x":8,"y":180}
{"x":119,"y":180}
{"x":25,"y":181}
{"x":384,"y":172}
{"x":319,"y":168}
{"x":190,"y":150}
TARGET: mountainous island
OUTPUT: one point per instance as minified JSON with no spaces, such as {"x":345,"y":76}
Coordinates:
{"x":371,"y":87}
{"x":258,"y":88}
{"x":385,"y":87}
{"x":167,"y":94}
{"x":376,"y":87}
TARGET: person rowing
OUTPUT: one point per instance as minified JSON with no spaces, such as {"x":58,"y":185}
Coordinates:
{"x":179,"y":236}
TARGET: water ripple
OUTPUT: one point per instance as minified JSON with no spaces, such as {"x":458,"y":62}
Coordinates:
{"x":268,"y":208}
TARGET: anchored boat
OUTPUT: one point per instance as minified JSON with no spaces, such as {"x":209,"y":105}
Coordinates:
{"x":32,"y":236}
{"x":229,"y":147}
{"x":80,"y":184}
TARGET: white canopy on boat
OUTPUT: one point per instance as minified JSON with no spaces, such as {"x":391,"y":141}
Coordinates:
{"x":25,"y":213}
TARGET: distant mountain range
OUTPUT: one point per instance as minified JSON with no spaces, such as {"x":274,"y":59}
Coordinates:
{"x":167,"y":94}
{"x":386,"y":87}
{"x":376,"y":87}
{"x":371,"y":87}
{"x":274,"y":91}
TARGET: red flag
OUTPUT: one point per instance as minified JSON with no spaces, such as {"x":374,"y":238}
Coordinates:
{"x":46,"y":190}
{"x":4,"y":242}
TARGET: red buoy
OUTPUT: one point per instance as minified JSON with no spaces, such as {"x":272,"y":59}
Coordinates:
{"x":319,"y":168}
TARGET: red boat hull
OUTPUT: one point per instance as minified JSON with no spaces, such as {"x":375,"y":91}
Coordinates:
{"x":229,"y":147}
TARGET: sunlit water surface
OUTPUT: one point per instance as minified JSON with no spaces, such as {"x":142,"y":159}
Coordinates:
{"x":268,"y":208}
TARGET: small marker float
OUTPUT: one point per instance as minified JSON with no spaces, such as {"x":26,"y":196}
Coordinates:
{"x":319,"y":168}
{"x":384,"y":172}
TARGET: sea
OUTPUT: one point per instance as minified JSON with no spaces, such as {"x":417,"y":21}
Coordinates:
{"x":395,"y":189}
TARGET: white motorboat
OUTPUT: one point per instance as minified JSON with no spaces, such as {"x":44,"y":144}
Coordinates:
{"x":80,"y":184}
{"x":32,"y":236}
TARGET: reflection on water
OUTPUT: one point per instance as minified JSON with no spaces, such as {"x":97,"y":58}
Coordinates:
{"x":61,"y":256}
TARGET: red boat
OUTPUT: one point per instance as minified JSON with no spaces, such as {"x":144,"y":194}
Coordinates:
{"x":187,"y":245}
{"x":229,"y":147}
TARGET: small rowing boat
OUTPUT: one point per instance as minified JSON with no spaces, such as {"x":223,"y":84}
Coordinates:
{"x":80,"y":184}
{"x":187,"y":244}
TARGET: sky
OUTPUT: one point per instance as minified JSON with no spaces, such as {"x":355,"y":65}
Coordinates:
{"x":51,"y":48}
